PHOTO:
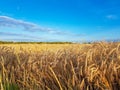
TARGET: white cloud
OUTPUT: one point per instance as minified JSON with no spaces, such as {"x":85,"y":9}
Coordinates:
{"x":6,"y":21}
{"x":12,"y":23}
{"x":112,"y":17}
{"x":19,"y":35}
{"x":28,"y":26}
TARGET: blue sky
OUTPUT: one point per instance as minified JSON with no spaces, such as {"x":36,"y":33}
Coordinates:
{"x":59,"y":20}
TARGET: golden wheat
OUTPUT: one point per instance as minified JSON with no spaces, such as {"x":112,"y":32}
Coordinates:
{"x":60,"y":66}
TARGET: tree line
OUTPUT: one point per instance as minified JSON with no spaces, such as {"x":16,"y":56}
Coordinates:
{"x":11,"y":42}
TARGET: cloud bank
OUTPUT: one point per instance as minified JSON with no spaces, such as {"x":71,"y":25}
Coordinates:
{"x":28,"y":26}
{"x":6,"y":21}
{"x":50,"y":33}
{"x":18,"y":35}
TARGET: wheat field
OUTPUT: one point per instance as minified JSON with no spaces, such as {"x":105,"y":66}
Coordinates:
{"x":60,"y":66}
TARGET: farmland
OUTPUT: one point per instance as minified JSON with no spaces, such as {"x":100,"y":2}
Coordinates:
{"x":60,"y":66}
